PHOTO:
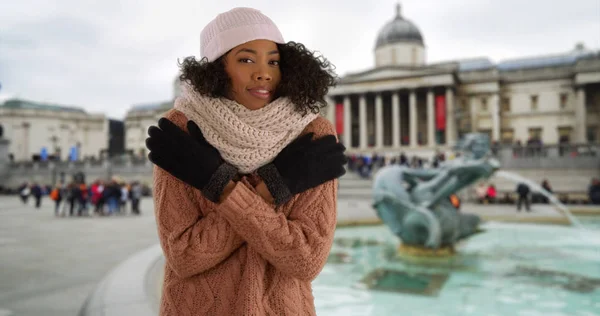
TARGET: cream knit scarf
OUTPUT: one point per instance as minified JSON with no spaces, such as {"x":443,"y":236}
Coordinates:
{"x":247,"y":139}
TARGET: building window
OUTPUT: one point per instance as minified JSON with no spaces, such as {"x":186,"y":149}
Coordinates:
{"x":506,"y":105}
{"x":535,"y":133}
{"x":484,"y":106}
{"x":464,"y":104}
{"x":564,"y":134}
{"x":564,"y":99}
{"x":534,"y":102}
{"x":507,"y":136}
{"x":592,"y":134}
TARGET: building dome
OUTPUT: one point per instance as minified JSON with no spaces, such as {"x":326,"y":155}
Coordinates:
{"x":399,"y":30}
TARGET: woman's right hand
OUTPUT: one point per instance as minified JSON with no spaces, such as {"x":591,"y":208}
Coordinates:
{"x":189,"y":157}
{"x":304,"y":164}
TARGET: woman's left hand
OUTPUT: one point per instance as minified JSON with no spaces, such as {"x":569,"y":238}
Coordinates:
{"x":304,"y":164}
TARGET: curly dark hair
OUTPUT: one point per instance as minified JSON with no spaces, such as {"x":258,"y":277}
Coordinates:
{"x":305,"y":76}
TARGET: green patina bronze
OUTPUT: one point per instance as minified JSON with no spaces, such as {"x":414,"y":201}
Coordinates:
{"x":415,"y":204}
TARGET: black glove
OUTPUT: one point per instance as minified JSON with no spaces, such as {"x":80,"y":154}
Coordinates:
{"x":189,"y":157}
{"x":303,"y":164}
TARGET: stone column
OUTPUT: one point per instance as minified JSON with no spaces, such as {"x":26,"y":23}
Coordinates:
{"x":495,"y":100}
{"x":430,"y":119}
{"x":580,"y":117}
{"x":378,"y":121}
{"x":347,"y":122}
{"x":396,"y":120}
{"x":412,"y":103}
{"x":473,"y":105}
{"x":330,"y":110}
{"x":362,"y":117}
{"x":450,"y":121}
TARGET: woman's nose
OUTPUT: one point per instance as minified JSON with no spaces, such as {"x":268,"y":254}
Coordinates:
{"x":262,"y":73}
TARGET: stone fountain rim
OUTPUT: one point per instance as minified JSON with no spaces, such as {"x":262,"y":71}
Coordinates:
{"x":126,"y":289}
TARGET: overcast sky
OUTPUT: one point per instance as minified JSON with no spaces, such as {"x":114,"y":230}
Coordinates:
{"x":106,"y":56}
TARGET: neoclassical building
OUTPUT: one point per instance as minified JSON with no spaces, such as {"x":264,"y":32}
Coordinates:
{"x":404,"y":103}
{"x":32,"y":127}
{"x":140,"y":117}
{"x":137,"y":121}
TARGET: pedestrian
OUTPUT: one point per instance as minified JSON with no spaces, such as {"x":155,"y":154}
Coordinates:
{"x":70,"y":197}
{"x":124,"y":198}
{"x":491,"y":194}
{"x":403,"y":159}
{"x":246,"y":174}
{"x":24,"y":192}
{"x":112,"y":195}
{"x":523,"y":193}
{"x":56,"y":195}
{"x":481,"y":193}
{"x":546,"y":186}
{"x":83,"y":197}
{"x":36,"y":191}
{"x":96,"y":196}
{"x":136,"y":196}
{"x":594,"y":191}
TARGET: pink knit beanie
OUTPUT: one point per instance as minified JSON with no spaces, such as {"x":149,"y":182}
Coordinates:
{"x":235,"y":27}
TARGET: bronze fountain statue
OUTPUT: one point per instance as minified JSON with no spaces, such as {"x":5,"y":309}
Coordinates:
{"x":415,"y":204}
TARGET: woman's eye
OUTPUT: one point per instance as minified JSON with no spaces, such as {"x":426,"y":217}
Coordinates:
{"x":245,"y":60}
{"x":275,"y":62}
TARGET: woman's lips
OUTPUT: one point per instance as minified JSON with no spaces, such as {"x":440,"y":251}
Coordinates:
{"x":260,"y":93}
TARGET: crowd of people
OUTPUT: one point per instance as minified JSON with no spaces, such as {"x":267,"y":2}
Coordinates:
{"x":101,"y":198}
{"x":525,"y":196}
{"x":366,"y":165}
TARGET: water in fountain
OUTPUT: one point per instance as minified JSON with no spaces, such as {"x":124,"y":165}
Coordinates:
{"x":537,"y":188}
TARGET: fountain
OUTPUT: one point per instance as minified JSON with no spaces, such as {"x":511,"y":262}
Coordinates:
{"x":537,"y":188}
{"x":415,"y":204}
{"x":511,"y":269}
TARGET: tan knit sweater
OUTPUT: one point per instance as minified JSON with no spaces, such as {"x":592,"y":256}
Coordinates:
{"x":243,"y":256}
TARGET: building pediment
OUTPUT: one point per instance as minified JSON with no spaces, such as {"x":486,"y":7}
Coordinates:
{"x":387,"y":73}
{"x":387,"y":80}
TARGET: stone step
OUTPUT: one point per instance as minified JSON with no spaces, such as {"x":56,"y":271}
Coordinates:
{"x":355,"y":192}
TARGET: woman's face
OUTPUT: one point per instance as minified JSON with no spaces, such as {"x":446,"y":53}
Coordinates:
{"x":253,"y":68}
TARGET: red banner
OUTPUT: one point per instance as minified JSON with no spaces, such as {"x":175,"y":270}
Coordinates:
{"x":339,"y":118}
{"x":440,"y":112}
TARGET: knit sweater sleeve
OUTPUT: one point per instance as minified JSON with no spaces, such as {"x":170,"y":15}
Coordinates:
{"x":297,"y":244}
{"x":192,"y":242}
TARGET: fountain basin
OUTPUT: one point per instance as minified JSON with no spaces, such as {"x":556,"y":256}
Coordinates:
{"x":511,"y":269}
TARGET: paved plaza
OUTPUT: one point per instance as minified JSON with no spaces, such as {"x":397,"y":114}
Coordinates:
{"x":49,"y":265}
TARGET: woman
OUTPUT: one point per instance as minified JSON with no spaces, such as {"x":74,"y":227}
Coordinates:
{"x":245,"y":179}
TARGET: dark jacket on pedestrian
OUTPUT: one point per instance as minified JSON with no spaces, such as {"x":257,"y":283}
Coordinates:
{"x":594,"y":193}
{"x":523,"y":189}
